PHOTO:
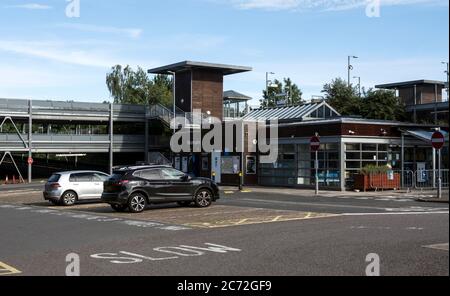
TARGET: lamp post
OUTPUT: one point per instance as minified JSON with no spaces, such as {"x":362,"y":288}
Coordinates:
{"x":359,"y":83}
{"x":174,"y":101}
{"x":268,"y":82}
{"x":350,"y":68}
{"x":448,"y":73}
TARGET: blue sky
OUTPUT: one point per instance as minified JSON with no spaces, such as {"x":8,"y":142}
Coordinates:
{"x":46,"y":55}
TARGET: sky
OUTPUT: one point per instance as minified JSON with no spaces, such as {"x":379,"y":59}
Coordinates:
{"x":51,"y":50}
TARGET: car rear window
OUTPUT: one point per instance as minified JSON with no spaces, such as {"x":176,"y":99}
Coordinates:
{"x":117,"y":175}
{"x":54,"y":178}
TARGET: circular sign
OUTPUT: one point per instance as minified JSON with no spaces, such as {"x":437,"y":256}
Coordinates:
{"x":315,"y":144}
{"x":30,"y":161}
{"x":438,"y":140}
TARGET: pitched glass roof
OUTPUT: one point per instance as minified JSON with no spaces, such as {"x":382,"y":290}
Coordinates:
{"x":294,"y":113}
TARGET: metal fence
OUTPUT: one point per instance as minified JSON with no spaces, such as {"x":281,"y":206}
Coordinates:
{"x":428,"y":179}
{"x":410,"y":180}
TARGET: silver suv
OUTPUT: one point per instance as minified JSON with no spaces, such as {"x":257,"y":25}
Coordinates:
{"x":69,"y":187}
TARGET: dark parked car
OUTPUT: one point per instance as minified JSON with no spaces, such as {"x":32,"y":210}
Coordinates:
{"x":133,"y":188}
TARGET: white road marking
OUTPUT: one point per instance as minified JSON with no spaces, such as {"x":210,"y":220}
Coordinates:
{"x":170,"y":253}
{"x":311,"y":204}
{"x":95,"y":218}
{"x":415,"y":228}
{"x":395,"y":213}
{"x":325,"y":205}
{"x":441,"y":247}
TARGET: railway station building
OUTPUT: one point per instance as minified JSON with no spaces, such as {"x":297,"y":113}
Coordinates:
{"x":73,"y":135}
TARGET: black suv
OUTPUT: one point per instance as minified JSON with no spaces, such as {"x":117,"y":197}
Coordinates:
{"x":133,"y":188}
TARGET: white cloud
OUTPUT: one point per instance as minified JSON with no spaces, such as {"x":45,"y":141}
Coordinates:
{"x":57,"y":52}
{"x":31,"y":6}
{"x":134,"y":33}
{"x":331,"y":5}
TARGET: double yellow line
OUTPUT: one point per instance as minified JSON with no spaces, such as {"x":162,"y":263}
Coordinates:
{"x":5,"y":269}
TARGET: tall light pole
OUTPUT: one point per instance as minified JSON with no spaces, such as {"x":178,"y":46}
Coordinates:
{"x":448,"y":73}
{"x":359,"y":83}
{"x":174,"y":100}
{"x":350,"y":68}
{"x":268,"y":83}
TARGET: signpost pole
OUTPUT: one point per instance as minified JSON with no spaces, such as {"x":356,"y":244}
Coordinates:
{"x":317,"y":173}
{"x":439,"y":194}
{"x":315,"y":147}
{"x":438,"y":142}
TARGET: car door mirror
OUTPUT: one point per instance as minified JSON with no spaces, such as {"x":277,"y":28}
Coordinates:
{"x":185,"y":178}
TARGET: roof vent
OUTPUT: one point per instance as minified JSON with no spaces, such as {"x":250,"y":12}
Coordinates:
{"x":317,"y":99}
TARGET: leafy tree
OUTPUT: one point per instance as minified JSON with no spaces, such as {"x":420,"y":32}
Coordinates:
{"x":382,"y":104}
{"x":343,"y":98}
{"x":373,"y":104}
{"x":127,"y":86}
{"x":292,"y":91}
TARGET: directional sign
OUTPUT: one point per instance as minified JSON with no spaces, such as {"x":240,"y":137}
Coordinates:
{"x":30,"y":161}
{"x":438,"y":140}
{"x":315,"y":144}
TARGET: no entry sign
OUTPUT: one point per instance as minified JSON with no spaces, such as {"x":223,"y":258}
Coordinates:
{"x":315,"y":144}
{"x":438,"y":140}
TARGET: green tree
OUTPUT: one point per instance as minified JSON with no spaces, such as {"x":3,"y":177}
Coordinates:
{"x":382,"y":104}
{"x":127,"y":86}
{"x":343,"y":98}
{"x":292,"y":94}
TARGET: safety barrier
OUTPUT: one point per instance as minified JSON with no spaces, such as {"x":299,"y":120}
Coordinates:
{"x":428,"y":179}
{"x":409,"y":180}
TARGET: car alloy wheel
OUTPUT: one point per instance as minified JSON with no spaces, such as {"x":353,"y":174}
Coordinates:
{"x":203,"y":198}
{"x":137,"y":203}
{"x":69,"y":199}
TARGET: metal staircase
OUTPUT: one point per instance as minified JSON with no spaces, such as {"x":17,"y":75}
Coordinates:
{"x":163,"y":113}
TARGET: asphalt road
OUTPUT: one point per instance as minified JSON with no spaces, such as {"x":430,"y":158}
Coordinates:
{"x":406,"y":235}
{"x":365,"y":203}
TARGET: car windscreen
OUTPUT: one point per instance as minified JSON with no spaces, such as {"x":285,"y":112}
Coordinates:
{"x":54,"y":178}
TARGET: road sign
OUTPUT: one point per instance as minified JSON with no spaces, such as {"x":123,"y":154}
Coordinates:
{"x":438,"y":140}
{"x":30,"y":161}
{"x":315,"y":144}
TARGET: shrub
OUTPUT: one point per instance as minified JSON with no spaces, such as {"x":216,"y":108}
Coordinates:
{"x":375,"y":170}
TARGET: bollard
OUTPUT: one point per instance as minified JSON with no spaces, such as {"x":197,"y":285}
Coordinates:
{"x":6,"y":180}
{"x":240,"y":181}
{"x":14,"y":179}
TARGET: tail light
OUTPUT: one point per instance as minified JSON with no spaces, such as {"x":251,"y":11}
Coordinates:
{"x":55,"y":185}
{"x":121,"y":183}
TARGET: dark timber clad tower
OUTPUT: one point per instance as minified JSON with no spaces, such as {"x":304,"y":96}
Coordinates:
{"x":199,"y":85}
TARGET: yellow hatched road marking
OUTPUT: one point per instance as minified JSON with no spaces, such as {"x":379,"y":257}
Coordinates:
{"x":258,"y":220}
{"x":5,"y":269}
